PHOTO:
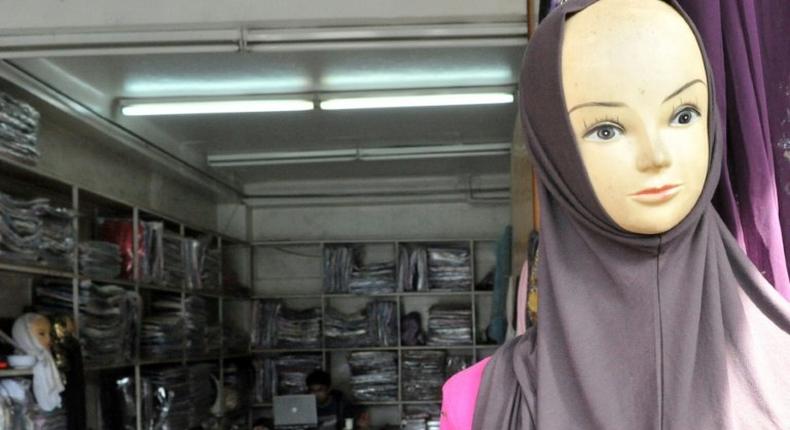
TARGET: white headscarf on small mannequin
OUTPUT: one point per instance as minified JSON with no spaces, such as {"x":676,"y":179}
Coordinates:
{"x":47,"y":385}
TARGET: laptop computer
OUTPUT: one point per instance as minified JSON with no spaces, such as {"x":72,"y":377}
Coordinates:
{"x":295,"y":411}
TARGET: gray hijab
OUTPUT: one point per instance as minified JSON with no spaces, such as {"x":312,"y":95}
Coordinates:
{"x":671,"y":331}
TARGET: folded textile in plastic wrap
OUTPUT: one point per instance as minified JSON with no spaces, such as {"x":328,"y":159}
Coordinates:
{"x":374,"y":375}
{"x":174,"y":263}
{"x":35,"y":232}
{"x":163,"y":329}
{"x":109,"y":316}
{"x":276,"y":326}
{"x":346,"y":330}
{"x":209,"y":273}
{"x":283,"y":375}
{"x":19,"y":411}
{"x":423,"y":268}
{"x":373,"y":279}
{"x":100,"y":260}
{"x":19,"y":124}
{"x":117,"y":401}
{"x":423,"y":374}
{"x":375,"y":326}
{"x":421,"y":417}
{"x":338,"y":265}
{"x":264,"y":328}
{"x":149,"y":247}
{"x":382,"y":323}
{"x":182,"y":397}
{"x":344,"y":273}
{"x":195,"y":325}
{"x":298,"y":328}
{"x":449,"y":325}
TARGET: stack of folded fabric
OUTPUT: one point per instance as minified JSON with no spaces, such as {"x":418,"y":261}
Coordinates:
{"x":58,"y":244}
{"x":163,"y":329}
{"x":170,"y":405}
{"x":292,"y":371}
{"x":346,"y":330}
{"x":35,"y":232}
{"x":374,"y":375}
{"x":343,"y":273}
{"x":209,"y":276}
{"x":423,"y":374}
{"x":299,"y":328}
{"x":338,"y":266}
{"x":174,"y":265}
{"x":265,"y":374}
{"x":264,"y":317}
{"x":108,"y":325}
{"x":421,"y":268}
{"x":382,"y":323}
{"x":449,"y":325}
{"x":18,"y":129}
{"x":109,"y":316}
{"x":100,"y":260}
{"x":449,"y":269}
{"x":195,"y":322}
{"x":413,"y":268}
{"x":421,"y":417}
{"x":149,"y":247}
{"x":373,"y":279}
{"x":201,"y":393}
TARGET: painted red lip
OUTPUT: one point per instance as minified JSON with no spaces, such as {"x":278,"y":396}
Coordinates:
{"x":659,"y":190}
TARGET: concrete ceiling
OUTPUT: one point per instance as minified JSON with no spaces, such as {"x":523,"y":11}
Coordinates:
{"x":99,"y":82}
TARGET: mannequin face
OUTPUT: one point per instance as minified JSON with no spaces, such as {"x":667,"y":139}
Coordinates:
{"x":636,"y":91}
{"x":41,"y":329}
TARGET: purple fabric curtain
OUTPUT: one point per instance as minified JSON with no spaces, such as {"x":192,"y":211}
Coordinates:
{"x":748,"y":48}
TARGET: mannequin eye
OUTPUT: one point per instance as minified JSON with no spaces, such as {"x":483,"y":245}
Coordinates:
{"x":684,"y":116}
{"x":604,"y":132}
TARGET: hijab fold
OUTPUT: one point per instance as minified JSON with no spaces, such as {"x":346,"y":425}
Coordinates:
{"x":670,"y":331}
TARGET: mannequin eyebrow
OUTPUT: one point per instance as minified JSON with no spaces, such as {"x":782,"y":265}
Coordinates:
{"x":604,"y":104}
{"x":683,"y":88}
{"x":618,"y":104}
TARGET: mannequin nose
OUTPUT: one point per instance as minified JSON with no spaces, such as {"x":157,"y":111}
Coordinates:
{"x":653,"y":154}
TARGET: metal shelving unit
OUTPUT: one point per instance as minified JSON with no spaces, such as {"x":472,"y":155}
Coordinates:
{"x":75,"y":194}
{"x":306,"y":287}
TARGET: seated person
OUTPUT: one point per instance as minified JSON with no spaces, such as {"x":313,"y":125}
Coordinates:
{"x":332,"y":407}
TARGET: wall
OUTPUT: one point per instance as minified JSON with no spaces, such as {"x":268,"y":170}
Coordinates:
{"x":446,"y":220}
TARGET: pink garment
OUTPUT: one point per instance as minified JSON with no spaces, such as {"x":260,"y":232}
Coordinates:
{"x":521,"y":302}
{"x":459,"y":396}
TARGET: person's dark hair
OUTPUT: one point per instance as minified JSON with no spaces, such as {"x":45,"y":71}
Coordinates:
{"x":319,"y":377}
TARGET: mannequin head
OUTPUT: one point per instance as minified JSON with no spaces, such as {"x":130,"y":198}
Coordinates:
{"x":41,"y":330}
{"x":637,"y":98}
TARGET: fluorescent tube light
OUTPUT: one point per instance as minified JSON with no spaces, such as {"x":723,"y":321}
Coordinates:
{"x":434,"y":151}
{"x":218,"y":106}
{"x":377,"y":102}
{"x":278,"y":158}
{"x":367,"y":154}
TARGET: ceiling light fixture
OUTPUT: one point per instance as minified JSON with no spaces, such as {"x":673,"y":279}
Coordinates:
{"x":416,"y":100}
{"x":150,"y":108}
{"x":363,"y":154}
